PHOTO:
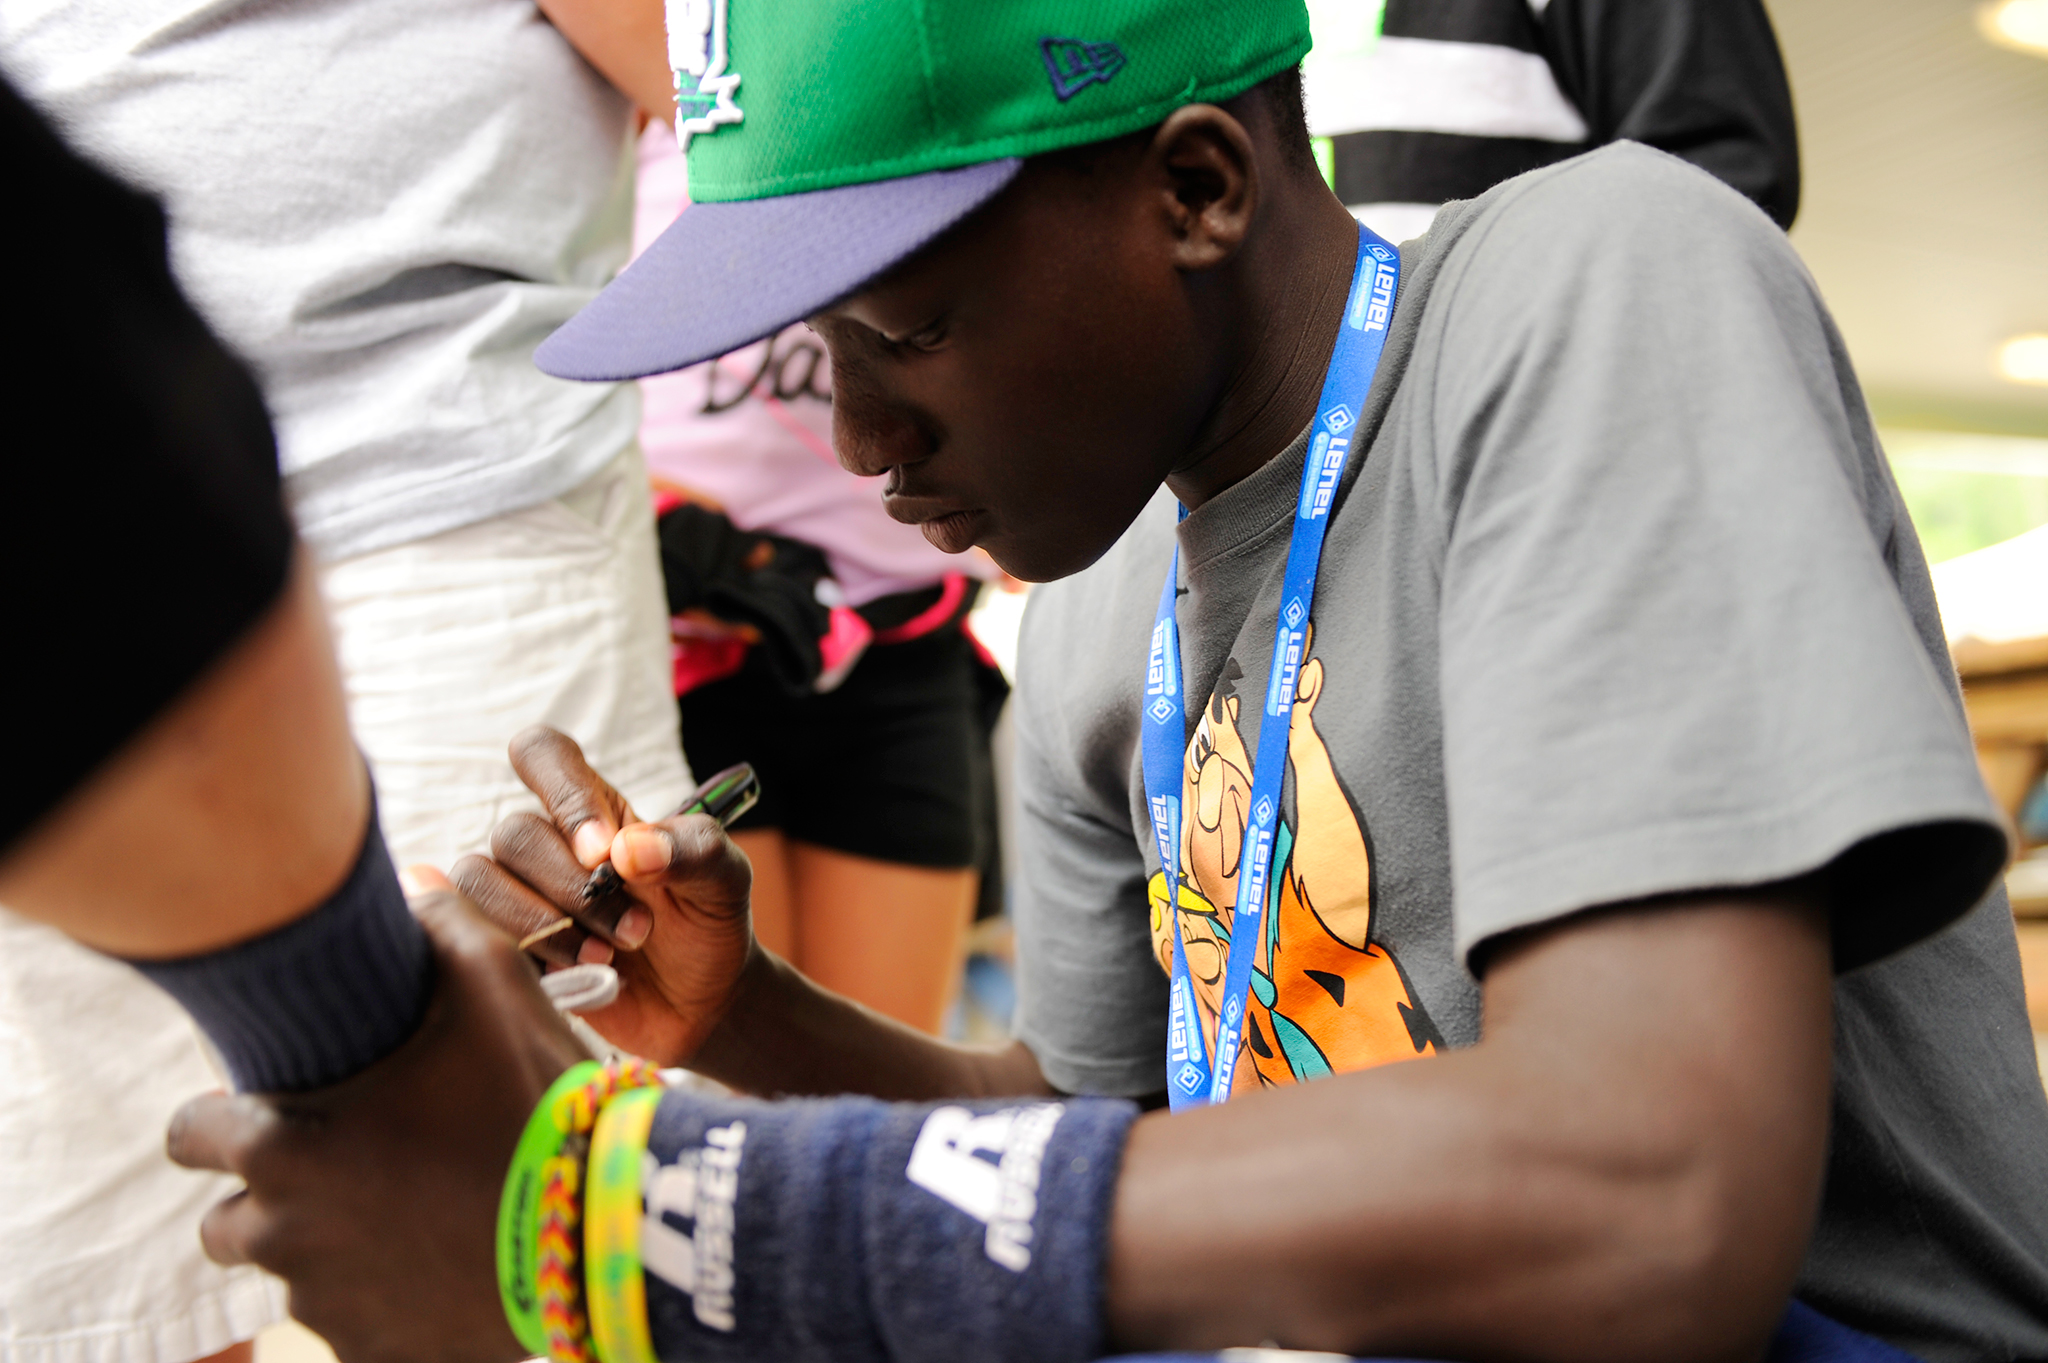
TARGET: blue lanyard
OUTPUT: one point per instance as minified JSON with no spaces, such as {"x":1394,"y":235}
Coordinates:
{"x":1191,"y":1077}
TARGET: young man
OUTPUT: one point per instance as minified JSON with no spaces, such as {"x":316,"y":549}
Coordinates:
{"x":1608,"y":762}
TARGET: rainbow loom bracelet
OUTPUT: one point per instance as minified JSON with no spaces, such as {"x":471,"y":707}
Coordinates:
{"x":612,"y":1282}
{"x":540,"y":1211}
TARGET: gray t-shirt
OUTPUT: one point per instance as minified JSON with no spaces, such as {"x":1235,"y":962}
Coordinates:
{"x":1620,"y":600}
{"x":384,"y":205}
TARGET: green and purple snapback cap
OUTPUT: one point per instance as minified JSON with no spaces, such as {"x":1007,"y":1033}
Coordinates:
{"x":829,"y":139}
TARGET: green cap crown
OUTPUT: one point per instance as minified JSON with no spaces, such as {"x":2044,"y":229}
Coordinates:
{"x":785,"y":96}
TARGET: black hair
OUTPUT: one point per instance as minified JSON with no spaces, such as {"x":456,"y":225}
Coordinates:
{"x":1281,"y":94}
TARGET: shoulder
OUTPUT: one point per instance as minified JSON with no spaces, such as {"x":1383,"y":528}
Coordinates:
{"x":1625,"y":262}
{"x":1619,"y":212}
{"x":1612,"y":192}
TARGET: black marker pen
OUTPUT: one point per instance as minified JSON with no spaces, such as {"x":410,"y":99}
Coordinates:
{"x":724,"y":797}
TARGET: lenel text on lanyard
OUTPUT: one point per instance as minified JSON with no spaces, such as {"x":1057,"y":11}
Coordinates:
{"x":1192,"y":1077}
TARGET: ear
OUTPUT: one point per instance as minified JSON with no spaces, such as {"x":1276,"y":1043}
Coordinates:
{"x":1203,"y":161}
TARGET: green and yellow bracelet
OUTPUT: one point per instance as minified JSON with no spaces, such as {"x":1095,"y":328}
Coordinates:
{"x":612,"y":1280}
{"x":540,"y":1212}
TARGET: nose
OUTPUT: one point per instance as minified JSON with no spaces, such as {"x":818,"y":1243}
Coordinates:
{"x":872,"y":437}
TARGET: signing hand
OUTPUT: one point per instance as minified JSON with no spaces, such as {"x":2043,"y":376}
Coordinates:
{"x":377,"y":1199}
{"x":680,"y":946}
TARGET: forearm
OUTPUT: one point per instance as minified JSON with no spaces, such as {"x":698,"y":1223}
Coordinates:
{"x":785,"y":1035}
{"x":1476,"y":1243}
{"x":1626,"y":1167}
{"x":231,"y":853}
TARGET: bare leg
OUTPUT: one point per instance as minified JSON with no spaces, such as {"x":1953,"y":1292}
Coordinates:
{"x":774,"y":902}
{"x":888,"y":935}
{"x":245,"y":1352}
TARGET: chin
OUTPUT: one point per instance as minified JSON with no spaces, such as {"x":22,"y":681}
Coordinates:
{"x":1045,"y":558}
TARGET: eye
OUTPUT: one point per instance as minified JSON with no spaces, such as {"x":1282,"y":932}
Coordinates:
{"x":924,"y":340}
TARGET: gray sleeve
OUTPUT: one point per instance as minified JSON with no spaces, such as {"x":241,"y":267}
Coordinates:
{"x":1091,"y":998}
{"x":1674,"y":656}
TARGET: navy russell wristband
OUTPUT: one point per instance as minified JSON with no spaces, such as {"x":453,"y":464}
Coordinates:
{"x":320,"y":998}
{"x":858,"y":1231}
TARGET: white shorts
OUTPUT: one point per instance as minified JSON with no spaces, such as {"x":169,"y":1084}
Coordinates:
{"x":449,"y":646}
{"x":99,"y":1233}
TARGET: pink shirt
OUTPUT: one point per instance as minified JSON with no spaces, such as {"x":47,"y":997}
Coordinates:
{"x":752,"y":431}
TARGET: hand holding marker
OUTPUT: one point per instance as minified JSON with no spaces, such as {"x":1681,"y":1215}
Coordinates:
{"x":584,"y":987}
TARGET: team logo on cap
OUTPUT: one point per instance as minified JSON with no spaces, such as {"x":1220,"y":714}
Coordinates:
{"x":696,"y":54}
{"x":1074,"y":65}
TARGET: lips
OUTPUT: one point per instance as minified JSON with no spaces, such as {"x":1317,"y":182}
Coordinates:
{"x":950,"y":527}
{"x":954,"y":533}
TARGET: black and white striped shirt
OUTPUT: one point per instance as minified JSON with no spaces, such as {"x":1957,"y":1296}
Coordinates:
{"x":1458,"y":95}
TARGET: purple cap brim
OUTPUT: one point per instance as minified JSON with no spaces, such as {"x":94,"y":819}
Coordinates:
{"x":727,"y":274}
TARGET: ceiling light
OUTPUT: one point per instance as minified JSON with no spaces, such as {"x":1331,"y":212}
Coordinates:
{"x":2018,"y":24}
{"x":2024,"y":359}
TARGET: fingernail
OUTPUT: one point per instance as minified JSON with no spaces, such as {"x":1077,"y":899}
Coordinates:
{"x":633,"y":926}
{"x":594,"y":952}
{"x":421,"y":879}
{"x":593,"y":839}
{"x":640,"y":852}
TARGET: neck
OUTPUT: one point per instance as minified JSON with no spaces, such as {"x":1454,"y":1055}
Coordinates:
{"x":1289,"y":304}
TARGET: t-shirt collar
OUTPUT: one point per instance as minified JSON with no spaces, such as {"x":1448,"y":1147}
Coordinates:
{"x":1248,"y":508}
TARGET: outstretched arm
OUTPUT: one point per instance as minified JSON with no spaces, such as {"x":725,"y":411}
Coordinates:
{"x":1641,"y":1131}
{"x":1625,"y":1168}
{"x":182,"y":773}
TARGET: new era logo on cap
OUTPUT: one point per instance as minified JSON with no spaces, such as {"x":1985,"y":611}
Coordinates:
{"x":1074,"y":65}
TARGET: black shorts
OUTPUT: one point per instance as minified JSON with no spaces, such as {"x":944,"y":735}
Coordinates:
{"x":894,"y":764}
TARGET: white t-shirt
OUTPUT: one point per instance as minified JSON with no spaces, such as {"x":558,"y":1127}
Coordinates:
{"x":385,"y":207}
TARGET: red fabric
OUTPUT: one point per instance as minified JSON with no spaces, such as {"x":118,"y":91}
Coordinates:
{"x":842,"y":647}
{"x":930,"y":619}
{"x":700,"y":660}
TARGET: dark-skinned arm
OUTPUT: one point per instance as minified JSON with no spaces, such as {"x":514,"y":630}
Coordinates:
{"x":788,"y":1036}
{"x":232,"y":812}
{"x":1626,"y":1167}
